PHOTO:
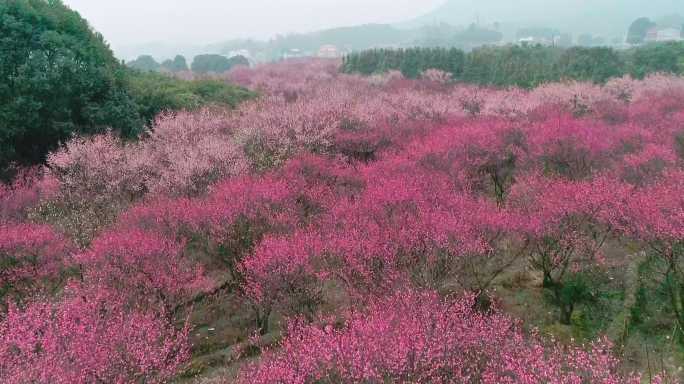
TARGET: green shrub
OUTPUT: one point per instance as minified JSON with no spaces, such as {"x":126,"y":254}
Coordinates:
{"x":145,"y":63}
{"x":154,"y":93}
{"x":216,"y":63}
{"x":666,"y":57}
{"x":523,"y":66}
{"x":598,"y":64}
{"x":178,"y":64}
{"x":411,"y":62}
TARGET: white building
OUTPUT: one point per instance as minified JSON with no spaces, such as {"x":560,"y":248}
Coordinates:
{"x":534,"y":40}
{"x":329,"y":52}
{"x":660,"y":35}
{"x":294,"y":53}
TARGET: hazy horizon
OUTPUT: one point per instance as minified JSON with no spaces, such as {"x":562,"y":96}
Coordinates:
{"x":164,"y":28}
{"x":128,"y":22}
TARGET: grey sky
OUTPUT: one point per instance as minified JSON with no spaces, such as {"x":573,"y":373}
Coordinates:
{"x":127,"y":22}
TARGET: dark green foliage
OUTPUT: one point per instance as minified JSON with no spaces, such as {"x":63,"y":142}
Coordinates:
{"x":638,"y":29}
{"x":238,"y":60}
{"x":216,"y":63}
{"x":522,"y":65}
{"x":600,"y":310}
{"x":666,"y":57}
{"x":57,"y":77}
{"x":590,"y":64}
{"x":577,"y":289}
{"x":679,"y":143}
{"x":178,"y":64}
{"x":210,"y":63}
{"x":411,"y":62}
{"x":652,"y":312}
{"x":145,"y":63}
{"x":154,"y":93}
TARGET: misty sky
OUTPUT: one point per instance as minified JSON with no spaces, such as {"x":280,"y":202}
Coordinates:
{"x":128,"y":22}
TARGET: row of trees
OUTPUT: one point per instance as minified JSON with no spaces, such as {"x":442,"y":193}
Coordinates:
{"x":201,"y":64}
{"x":58,"y":78}
{"x":411,"y":62}
{"x":524,"y":66}
{"x":147,"y":63}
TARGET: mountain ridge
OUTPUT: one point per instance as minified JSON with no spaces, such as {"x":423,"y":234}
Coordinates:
{"x":610,"y":18}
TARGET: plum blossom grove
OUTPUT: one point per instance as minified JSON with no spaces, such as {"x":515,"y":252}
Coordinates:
{"x":364,"y":221}
{"x":416,"y":337}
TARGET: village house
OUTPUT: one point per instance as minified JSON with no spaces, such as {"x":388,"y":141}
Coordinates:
{"x":329,"y":51}
{"x":660,"y":35}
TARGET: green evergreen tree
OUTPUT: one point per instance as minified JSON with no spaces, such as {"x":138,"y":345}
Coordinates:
{"x":57,"y":78}
{"x":596,"y":64}
{"x":178,"y":64}
{"x":145,"y":63}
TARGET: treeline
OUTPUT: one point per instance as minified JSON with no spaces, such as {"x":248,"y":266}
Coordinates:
{"x":524,"y":66}
{"x":202,"y":64}
{"x":411,"y":62}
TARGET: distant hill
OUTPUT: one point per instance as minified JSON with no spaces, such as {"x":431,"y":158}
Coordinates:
{"x":605,"y":17}
{"x":448,"y":23}
{"x":357,"y":37}
{"x":353,"y":38}
{"x":159,"y":50}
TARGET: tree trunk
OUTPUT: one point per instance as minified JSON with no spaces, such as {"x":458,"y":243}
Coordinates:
{"x":262,"y":315}
{"x":566,"y":313}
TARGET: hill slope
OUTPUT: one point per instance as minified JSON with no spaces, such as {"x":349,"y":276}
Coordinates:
{"x":607,"y":17}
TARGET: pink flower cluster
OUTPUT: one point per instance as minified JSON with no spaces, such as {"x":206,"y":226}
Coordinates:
{"x":112,"y":324}
{"x":181,"y":156}
{"x":309,"y":107}
{"x":29,"y":189}
{"x":30,"y":255}
{"x":402,"y":219}
{"x":418,"y":337}
{"x":145,"y":267}
{"x":89,"y":336}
